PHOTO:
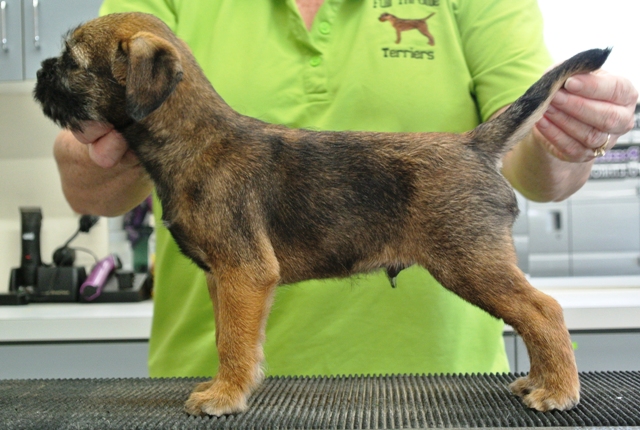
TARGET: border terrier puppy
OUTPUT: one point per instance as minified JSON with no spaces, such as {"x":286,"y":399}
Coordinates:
{"x":256,"y":205}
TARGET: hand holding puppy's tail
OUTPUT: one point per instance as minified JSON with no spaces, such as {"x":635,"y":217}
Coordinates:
{"x":496,"y":137}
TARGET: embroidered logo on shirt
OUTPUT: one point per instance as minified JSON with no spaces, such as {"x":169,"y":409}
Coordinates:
{"x":408,"y":53}
{"x":389,"y":3}
{"x":401,"y":25}
{"x":418,"y":44}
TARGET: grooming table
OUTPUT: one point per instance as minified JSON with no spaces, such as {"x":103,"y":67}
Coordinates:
{"x":609,"y":399}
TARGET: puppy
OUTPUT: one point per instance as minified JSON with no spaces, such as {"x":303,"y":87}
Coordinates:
{"x":255,"y":205}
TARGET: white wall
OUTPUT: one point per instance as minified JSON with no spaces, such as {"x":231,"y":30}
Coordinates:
{"x":575,"y":25}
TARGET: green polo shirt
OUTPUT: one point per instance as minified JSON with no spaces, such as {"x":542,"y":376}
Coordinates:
{"x":348,"y":73}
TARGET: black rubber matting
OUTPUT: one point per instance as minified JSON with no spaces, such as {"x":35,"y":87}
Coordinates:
{"x":609,"y":399}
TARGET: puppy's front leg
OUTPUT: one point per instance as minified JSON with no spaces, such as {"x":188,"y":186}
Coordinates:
{"x":242,"y":299}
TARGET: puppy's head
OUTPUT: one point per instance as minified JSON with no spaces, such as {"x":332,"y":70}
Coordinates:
{"x":118,"y":69}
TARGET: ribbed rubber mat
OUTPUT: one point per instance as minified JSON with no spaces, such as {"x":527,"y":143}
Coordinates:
{"x":608,"y":399}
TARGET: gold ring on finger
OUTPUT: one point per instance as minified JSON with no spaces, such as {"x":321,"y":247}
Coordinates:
{"x":600,"y":151}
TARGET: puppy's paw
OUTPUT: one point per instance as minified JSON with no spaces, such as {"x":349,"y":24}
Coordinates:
{"x":216,"y":398}
{"x":545,"y":399}
{"x":522,"y":386}
{"x":203,"y":386}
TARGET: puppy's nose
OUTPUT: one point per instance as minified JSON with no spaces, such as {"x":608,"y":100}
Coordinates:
{"x":49,"y":62}
{"x":46,"y":67}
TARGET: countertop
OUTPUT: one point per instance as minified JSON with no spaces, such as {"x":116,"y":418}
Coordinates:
{"x":596,"y":302}
{"x":75,"y":321}
{"x":590,"y":303}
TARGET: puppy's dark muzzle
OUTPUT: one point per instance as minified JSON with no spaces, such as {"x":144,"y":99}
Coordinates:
{"x":46,"y":85}
{"x":46,"y":66}
{"x":64,"y":106}
{"x":46,"y":78}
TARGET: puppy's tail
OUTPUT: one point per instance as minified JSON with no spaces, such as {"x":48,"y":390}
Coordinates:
{"x":497,"y":136}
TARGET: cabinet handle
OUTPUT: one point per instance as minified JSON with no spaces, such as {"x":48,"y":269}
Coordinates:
{"x":556,"y":217}
{"x":36,"y":24}
{"x":3,"y":19}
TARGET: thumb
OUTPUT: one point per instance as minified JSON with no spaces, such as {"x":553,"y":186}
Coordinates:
{"x":108,"y":150}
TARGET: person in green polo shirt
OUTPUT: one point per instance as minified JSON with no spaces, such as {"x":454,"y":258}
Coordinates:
{"x":377,"y":65}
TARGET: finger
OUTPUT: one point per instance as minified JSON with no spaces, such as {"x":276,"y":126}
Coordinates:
{"x":587,"y":136}
{"x":603,"y":86}
{"x":108,"y":150}
{"x":129,"y":159}
{"x":92,"y":131}
{"x":605,"y":116}
{"x":560,"y":144}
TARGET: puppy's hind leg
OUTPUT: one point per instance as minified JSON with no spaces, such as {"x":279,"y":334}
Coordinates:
{"x":242,"y":298}
{"x":493,"y":282}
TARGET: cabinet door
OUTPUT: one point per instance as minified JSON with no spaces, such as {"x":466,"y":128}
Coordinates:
{"x":607,"y":351}
{"x":548,"y":239}
{"x":510,"y":349}
{"x":74,"y":360}
{"x":45,"y":24}
{"x":10,"y":40}
{"x":605,"y":229}
{"x":521,"y":235}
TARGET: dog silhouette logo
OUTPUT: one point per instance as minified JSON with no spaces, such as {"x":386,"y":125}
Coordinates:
{"x":409,"y":24}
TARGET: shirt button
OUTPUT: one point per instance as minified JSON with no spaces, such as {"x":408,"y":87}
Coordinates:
{"x":324,"y":27}
{"x":315,"y":61}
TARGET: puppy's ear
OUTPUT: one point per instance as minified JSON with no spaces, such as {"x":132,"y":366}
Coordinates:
{"x":153,"y":71}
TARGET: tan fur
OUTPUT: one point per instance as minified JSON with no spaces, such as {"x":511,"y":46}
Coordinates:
{"x":256,"y":205}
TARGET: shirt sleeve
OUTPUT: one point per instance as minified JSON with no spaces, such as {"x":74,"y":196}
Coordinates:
{"x":504,"y":48}
{"x":163,"y":9}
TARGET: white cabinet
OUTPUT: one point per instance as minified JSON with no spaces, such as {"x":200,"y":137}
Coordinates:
{"x":595,"y":232}
{"x":11,"y":46}
{"x":597,"y":350}
{"x":32,"y":30}
{"x":109,"y":359}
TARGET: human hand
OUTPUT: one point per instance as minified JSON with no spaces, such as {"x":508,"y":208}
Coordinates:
{"x":107,"y":147}
{"x":589,"y":113}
